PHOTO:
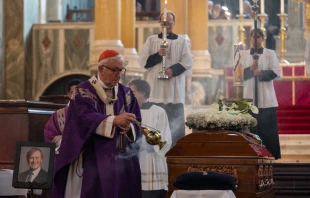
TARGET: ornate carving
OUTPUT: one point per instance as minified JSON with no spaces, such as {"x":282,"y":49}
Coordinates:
{"x":260,"y":178}
{"x":264,"y":177}
{"x":46,"y":42}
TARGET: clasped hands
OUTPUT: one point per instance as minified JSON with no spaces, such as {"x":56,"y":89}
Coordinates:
{"x":168,"y":71}
{"x":123,"y":121}
{"x":254,"y":69}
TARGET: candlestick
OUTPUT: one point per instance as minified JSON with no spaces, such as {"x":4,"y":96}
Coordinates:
{"x":282,"y":7}
{"x":283,"y":38}
{"x":238,"y":71}
{"x":262,"y":18}
{"x":241,"y":28}
{"x":306,"y":20}
{"x":262,"y":6}
{"x":241,"y":7}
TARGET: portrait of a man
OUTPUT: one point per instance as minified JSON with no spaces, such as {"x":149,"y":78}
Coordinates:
{"x":35,"y":172}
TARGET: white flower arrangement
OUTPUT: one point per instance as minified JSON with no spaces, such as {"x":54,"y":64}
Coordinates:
{"x":235,"y":117}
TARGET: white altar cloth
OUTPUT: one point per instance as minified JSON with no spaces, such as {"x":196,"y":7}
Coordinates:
{"x":203,"y":194}
{"x":6,"y":189}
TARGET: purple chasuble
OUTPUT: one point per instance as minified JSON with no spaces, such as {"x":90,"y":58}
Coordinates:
{"x":108,"y":172}
{"x":55,"y":125}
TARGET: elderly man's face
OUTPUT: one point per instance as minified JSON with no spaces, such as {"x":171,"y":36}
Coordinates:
{"x":170,"y":20}
{"x":111,"y":72}
{"x":35,"y":160}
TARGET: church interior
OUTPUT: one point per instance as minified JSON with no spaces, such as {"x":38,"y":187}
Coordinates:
{"x":46,"y":43}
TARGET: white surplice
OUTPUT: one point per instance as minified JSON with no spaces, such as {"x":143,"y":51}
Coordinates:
{"x":154,"y":172}
{"x":172,"y":90}
{"x":266,"y":93}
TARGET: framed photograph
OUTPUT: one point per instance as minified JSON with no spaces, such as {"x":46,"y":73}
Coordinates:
{"x":34,"y":165}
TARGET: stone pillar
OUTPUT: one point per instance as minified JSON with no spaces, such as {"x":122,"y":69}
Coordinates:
{"x":54,"y":10}
{"x":107,"y":30}
{"x":198,"y":32}
{"x":128,"y":38}
{"x":19,"y":15}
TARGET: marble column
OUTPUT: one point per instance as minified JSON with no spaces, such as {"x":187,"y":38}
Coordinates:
{"x":198,"y":32}
{"x":54,"y":10}
{"x":107,"y":30}
{"x":128,"y":38}
{"x":19,"y":16}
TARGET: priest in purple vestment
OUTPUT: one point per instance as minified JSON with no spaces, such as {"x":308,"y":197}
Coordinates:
{"x":55,"y":125}
{"x":98,"y":154}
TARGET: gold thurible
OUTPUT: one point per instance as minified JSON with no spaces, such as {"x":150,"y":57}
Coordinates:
{"x":152,"y":136}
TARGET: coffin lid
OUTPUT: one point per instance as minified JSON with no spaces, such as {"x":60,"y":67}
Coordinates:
{"x":218,"y":143}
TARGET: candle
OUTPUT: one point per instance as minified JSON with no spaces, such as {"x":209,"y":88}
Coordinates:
{"x":241,"y":7}
{"x":282,"y":7}
{"x":262,"y":6}
{"x":165,"y":10}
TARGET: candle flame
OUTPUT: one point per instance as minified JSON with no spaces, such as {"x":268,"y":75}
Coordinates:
{"x":165,"y":1}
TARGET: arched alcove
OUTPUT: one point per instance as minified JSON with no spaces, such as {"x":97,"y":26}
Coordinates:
{"x":60,"y":86}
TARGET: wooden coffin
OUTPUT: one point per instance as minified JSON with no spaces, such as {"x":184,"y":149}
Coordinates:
{"x":21,"y":120}
{"x":228,"y":152}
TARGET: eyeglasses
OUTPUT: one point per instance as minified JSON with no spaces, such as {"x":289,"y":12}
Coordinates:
{"x":116,"y":71}
{"x":165,"y":23}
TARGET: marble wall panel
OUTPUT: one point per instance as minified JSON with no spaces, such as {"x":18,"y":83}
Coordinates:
{"x":46,"y":56}
{"x":221,"y":46}
{"x":201,"y":89}
{"x":76,"y":49}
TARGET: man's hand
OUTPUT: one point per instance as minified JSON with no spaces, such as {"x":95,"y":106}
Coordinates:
{"x":123,"y":121}
{"x":57,"y":138}
{"x":162,"y":52}
{"x":254,"y":66}
{"x":124,"y":129}
{"x":257,"y":72}
{"x":169,"y":72}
